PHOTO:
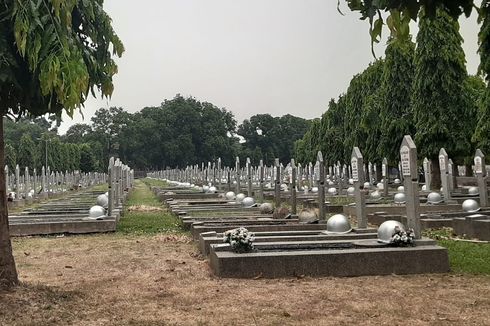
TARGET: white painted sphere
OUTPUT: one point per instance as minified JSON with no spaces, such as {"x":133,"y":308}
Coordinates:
{"x":29,"y":195}
{"x":424,"y":188}
{"x":266,"y":208}
{"x":107,"y":194}
{"x":314,"y":189}
{"x":473,"y":191}
{"x":330,"y":183}
{"x":230,"y":195}
{"x":307,"y":215}
{"x":248,"y":201}
{"x":332,"y":191}
{"x":367,"y":185}
{"x":96,"y":211}
{"x":338,"y":223}
{"x":240,"y":197}
{"x":103,"y":200}
{"x":375,"y":195}
{"x":400,"y":198}
{"x":434,"y":198}
{"x":205,"y":188}
{"x":401,"y":189}
{"x":387,"y":229}
{"x":351,"y":181}
{"x":351,"y":191}
{"x":380,"y":186}
{"x":397,"y":181}
{"x":471,"y":206}
{"x":212,"y":190}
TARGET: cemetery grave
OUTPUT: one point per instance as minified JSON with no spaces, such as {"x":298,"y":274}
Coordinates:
{"x":301,"y":243}
{"x":75,"y":206}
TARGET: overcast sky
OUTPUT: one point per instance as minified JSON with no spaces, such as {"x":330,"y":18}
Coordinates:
{"x":248,"y":56}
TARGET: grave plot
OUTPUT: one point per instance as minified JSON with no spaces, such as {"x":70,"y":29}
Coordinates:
{"x":330,"y":247}
{"x":76,"y":212}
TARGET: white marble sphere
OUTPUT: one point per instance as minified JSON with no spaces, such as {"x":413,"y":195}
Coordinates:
{"x":266,"y":208}
{"x":307,"y":215}
{"x":330,"y":183}
{"x":367,"y":185}
{"x":434,"y":198}
{"x":240,"y":197}
{"x":380,"y":186}
{"x":314,"y":189}
{"x":473,"y":191}
{"x":230,"y":195}
{"x":351,"y":191}
{"x":103,"y":200}
{"x":375,"y":195}
{"x":400,"y":189}
{"x":351,"y":181}
{"x":96,"y":212}
{"x":338,"y":223}
{"x":471,"y":206}
{"x":397,"y":181}
{"x":212,"y":190}
{"x":332,"y":191}
{"x":205,"y":188}
{"x":387,"y":229}
{"x":400,"y":198}
{"x":107,"y":194}
{"x":248,"y":201}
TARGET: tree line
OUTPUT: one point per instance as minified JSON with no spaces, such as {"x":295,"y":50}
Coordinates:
{"x":421,"y":89}
{"x":179,"y":132}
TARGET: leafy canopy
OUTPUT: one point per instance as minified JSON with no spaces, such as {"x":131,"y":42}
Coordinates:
{"x":52,"y":53}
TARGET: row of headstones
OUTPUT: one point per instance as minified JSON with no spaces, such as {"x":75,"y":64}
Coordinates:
{"x":356,"y":171}
{"x":120,"y":179}
{"x":308,"y":177}
{"x":33,"y":185}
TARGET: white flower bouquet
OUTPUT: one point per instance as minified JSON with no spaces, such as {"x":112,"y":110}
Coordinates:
{"x":402,"y":238}
{"x":240,"y":239}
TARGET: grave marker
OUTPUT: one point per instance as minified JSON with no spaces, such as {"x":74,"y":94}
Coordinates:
{"x":321,"y":185}
{"x":357,"y":163}
{"x":443,"y":165}
{"x":481,"y":176}
{"x":293,"y":188}
{"x":408,"y":155}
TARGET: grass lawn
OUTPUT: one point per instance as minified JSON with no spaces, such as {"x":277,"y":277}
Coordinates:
{"x":144,"y":214}
{"x":464,"y":257}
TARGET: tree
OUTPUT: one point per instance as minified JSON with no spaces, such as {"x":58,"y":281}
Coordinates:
{"x":77,"y":134}
{"x":438,"y":100}
{"x":396,"y":89}
{"x":52,"y":53}
{"x":26,"y":154}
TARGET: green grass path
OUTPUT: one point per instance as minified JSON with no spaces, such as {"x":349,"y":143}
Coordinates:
{"x":137,"y":220}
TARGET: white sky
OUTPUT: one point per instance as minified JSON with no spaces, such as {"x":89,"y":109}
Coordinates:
{"x":249,"y":56}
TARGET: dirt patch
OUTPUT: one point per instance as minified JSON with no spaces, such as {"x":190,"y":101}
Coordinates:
{"x":144,"y":208}
{"x":162,"y":280}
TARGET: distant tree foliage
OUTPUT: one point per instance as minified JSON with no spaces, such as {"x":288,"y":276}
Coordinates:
{"x":438,"y":89}
{"x":422,"y":90}
{"x":267,"y":137}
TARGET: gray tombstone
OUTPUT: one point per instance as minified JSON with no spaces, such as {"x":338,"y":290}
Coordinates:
{"x":249,"y":177}
{"x":237,"y":175}
{"x":277,"y":183}
{"x":481,"y":176}
{"x":110,"y":172}
{"x":408,"y":160}
{"x":357,"y":164}
{"x":321,"y":185}
{"x":427,"y":174}
{"x":384,"y":174}
{"x":17,"y":182}
{"x":261,"y":181}
{"x":443,"y":165}
{"x":293,"y":188}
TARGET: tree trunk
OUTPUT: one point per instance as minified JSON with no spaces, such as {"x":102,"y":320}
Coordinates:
{"x":8,"y":272}
{"x":436,"y":175}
